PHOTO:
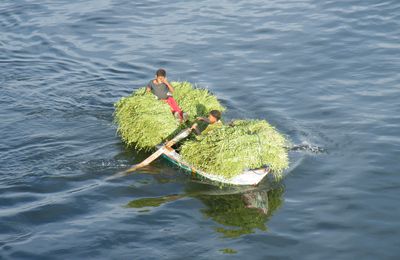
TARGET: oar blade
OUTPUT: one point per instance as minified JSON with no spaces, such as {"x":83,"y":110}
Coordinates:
{"x":135,"y":167}
{"x":182,"y":135}
{"x":120,"y":174}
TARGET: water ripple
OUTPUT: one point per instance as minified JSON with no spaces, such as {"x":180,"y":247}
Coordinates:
{"x":325,"y":73}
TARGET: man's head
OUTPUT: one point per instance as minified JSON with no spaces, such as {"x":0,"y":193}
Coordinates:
{"x":161,"y":73}
{"x":214,"y":116}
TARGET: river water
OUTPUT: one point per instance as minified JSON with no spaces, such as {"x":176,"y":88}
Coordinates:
{"x":325,"y":73}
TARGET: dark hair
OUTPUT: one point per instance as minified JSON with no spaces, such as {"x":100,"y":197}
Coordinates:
{"x":216,"y":114}
{"x":161,"y":72}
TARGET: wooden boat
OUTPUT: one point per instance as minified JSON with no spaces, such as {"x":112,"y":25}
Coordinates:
{"x":248,"y":177}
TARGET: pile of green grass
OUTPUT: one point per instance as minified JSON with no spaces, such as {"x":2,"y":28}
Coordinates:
{"x":230,"y":149}
{"x":144,"y":121}
{"x":195,"y":101}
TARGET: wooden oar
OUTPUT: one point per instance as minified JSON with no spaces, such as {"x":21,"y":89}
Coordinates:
{"x":182,"y":135}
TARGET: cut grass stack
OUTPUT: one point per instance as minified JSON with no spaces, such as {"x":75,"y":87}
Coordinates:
{"x":195,"y":101}
{"x":244,"y":144}
{"x":144,"y":122}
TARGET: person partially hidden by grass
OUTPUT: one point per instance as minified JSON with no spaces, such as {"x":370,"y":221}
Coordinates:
{"x":213,"y":120}
{"x":163,"y":90}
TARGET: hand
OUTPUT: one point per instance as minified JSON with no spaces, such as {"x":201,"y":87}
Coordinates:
{"x":164,"y":80}
{"x":194,"y":126}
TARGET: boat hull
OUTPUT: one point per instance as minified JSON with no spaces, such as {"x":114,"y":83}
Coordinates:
{"x":248,"y":177}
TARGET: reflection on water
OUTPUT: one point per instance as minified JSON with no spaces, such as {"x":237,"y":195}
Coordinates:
{"x":64,"y":63}
{"x":153,"y":202}
{"x":238,"y":213}
{"x":241,"y":214}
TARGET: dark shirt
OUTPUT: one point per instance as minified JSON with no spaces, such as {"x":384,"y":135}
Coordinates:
{"x":209,"y":127}
{"x":160,"y":90}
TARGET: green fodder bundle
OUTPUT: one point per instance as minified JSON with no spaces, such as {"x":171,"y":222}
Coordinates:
{"x":195,"y":101}
{"x":231,"y":149}
{"x":144,"y":121}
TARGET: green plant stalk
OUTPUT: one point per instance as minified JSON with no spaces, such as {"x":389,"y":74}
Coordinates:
{"x":230,"y":150}
{"x":144,"y":122}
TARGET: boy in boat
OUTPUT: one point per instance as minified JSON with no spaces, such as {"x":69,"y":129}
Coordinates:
{"x":213,"y":120}
{"x":163,"y":90}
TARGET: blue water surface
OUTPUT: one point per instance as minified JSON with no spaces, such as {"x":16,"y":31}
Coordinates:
{"x":325,"y":73}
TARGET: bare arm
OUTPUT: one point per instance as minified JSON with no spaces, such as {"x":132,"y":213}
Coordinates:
{"x":204,"y":119}
{"x":148,"y":88}
{"x":196,"y":129}
{"x":171,"y":89}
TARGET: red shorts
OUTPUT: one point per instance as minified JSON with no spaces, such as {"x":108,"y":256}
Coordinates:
{"x":174,"y":106}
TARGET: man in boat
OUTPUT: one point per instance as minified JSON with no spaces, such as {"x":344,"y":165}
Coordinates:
{"x":213,"y":120}
{"x":163,"y":90}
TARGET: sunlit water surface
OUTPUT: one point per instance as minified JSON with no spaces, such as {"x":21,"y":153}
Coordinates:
{"x":325,"y":73}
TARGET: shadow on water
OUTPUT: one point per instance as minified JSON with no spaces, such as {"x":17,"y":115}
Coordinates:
{"x":239,"y":211}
